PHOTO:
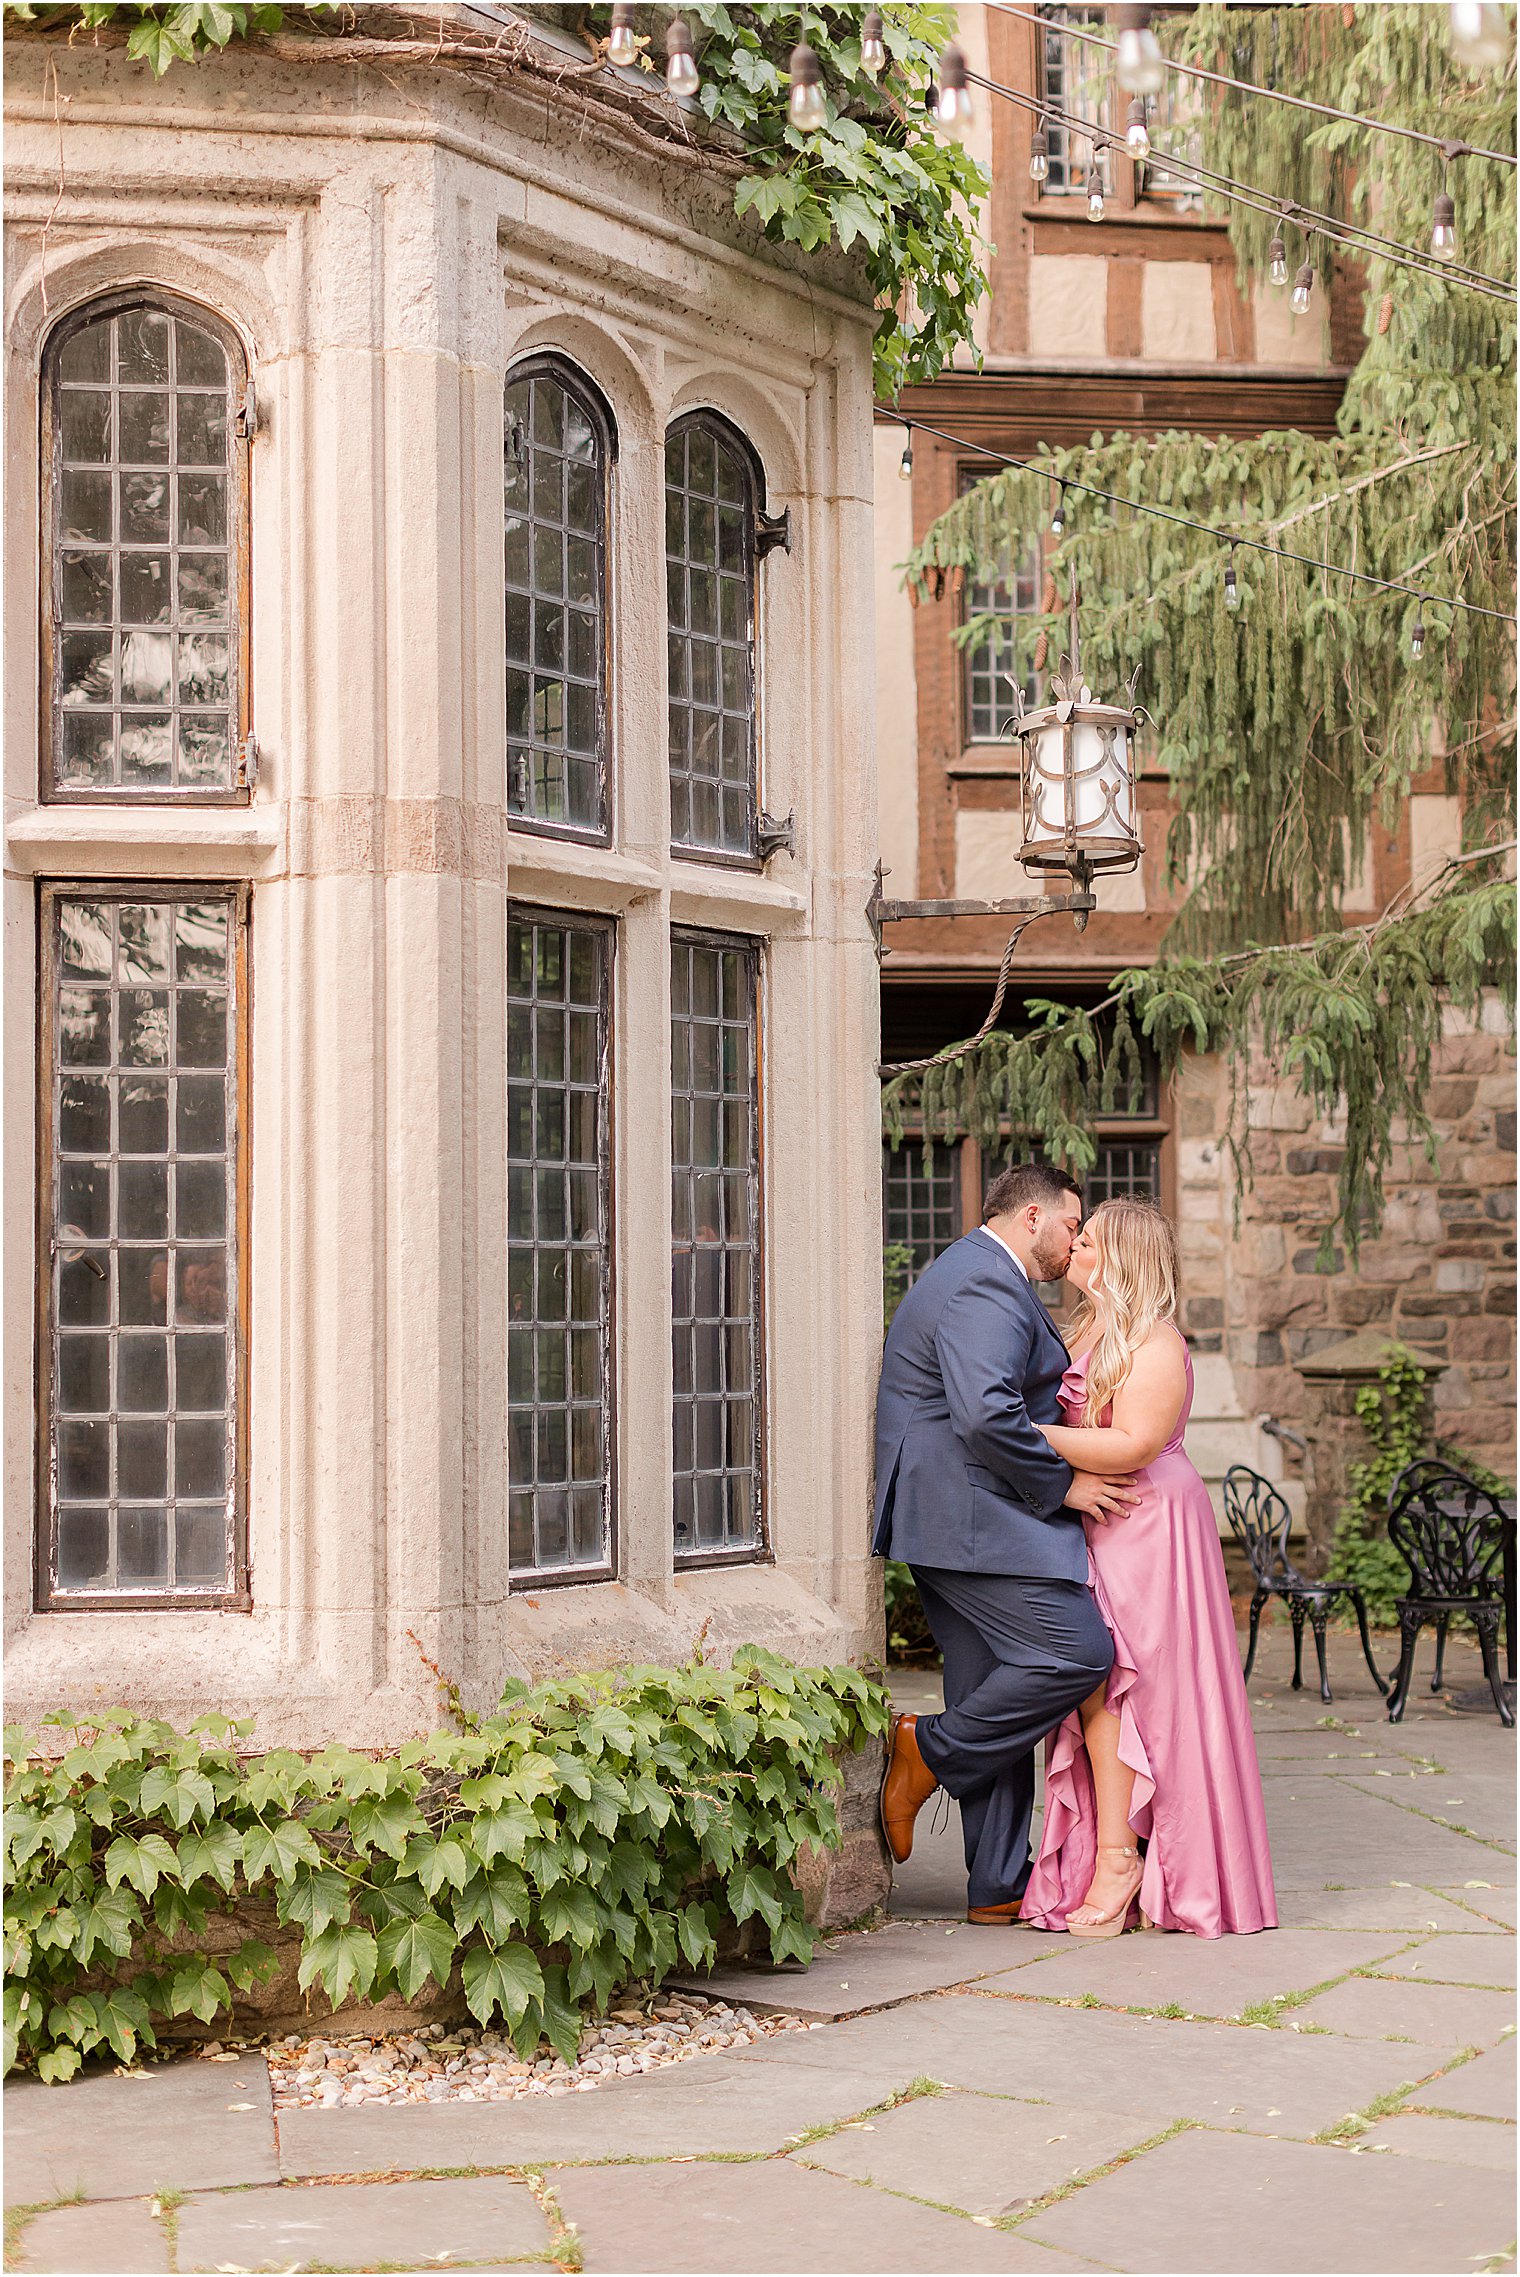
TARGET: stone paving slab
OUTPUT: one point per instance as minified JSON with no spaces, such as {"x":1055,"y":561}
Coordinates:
{"x":79,"y":2241}
{"x":771,"y":2218}
{"x":1498,"y":1903}
{"x":1410,"y":1909}
{"x":1215,"y":1977}
{"x":1347,"y":1835}
{"x":1274,"y":2082}
{"x":1485,"y":1960}
{"x":183,"y":2126}
{"x":1435,"y":2015}
{"x":1208,"y":2202}
{"x":709,"y":2106}
{"x":470,"y":2218}
{"x":874,"y":1968}
{"x":985,"y":2154}
{"x":1468,"y":2142}
{"x":1484,"y":2087}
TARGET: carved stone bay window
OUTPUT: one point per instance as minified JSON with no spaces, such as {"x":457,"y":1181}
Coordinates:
{"x":142,"y":1301}
{"x":558,"y":451}
{"x":559,"y":1358}
{"x":145,"y":446}
{"x":715,"y":536}
{"x":716,"y":1261}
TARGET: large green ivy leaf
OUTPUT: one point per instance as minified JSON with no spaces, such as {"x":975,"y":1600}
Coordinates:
{"x":314,"y":1897}
{"x":197,"y":1988}
{"x":504,"y":1832}
{"x":278,"y":1850}
{"x":383,"y":1822}
{"x":501,"y":1980}
{"x":180,"y":1795}
{"x":753,"y":1890}
{"x":413,"y":1951}
{"x":570,"y":1913}
{"x":561,"y":2014}
{"x":142,"y":1862}
{"x":496,"y":1903}
{"x":211,"y":1855}
{"x":106,"y":1924}
{"x":343,"y":1957}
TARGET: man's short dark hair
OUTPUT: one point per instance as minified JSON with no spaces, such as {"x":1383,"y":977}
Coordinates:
{"x":1014,"y":1189}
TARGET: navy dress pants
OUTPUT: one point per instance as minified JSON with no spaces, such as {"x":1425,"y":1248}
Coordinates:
{"x":1020,"y":1653}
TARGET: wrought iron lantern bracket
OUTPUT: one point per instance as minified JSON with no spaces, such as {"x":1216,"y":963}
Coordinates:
{"x":1078,"y":905}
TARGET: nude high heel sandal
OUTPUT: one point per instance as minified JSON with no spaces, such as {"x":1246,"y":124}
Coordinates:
{"x":1111,"y":1924}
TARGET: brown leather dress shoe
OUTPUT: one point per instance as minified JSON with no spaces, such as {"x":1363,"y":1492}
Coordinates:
{"x":906,"y":1788}
{"x":994,"y":1916}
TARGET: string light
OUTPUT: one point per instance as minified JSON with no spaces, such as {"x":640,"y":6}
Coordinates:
{"x":1443,"y":235}
{"x":1141,"y":66}
{"x":905,"y":463}
{"x":1231,"y":589}
{"x":1137,"y":140}
{"x":1277,"y":260}
{"x":1058,"y":518}
{"x":1479,"y":34}
{"x":1039,"y":153}
{"x":1417,"y":637}
{"x":623,"y":40}
{"x":681,"y":76}
{"x":955,"y":111}
{"x":1186,"y":521}
{"x":806,"y":106}
{"x":1095,"y":187}
{"x":873,"y":48}
{"x":1303,"y":290}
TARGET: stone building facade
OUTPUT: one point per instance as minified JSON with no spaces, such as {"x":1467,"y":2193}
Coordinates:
{"x":449,"y":526}
{"x":1136,"y":321}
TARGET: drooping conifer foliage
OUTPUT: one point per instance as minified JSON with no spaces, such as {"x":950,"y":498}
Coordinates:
{"x":1288,"y":725}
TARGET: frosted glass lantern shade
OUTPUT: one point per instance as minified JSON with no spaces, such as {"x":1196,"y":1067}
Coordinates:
{"x":1079,"y":788}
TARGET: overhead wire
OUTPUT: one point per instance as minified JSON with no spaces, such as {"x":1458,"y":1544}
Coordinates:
{"x":1228,"y":536}
{"x":1268,"y":94}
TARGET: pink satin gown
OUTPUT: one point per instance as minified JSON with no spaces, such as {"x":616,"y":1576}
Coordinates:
{"x":1185,"y":1724}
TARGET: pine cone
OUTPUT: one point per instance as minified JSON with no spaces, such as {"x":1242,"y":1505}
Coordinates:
{"x":1385,"y":314}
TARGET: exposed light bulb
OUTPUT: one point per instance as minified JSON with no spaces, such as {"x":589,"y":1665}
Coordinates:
{"x":1231,"y":589}
{"x":806,"y":107}
{"x":1137,"y":140}
{"x":1277,"y":261}
{"x":873,"y":48}
{"x":955,"y":111}
{"x":623,"y":41}
{"x":1417,"y":638}
{"x":905,"y":463}
{"x":1140,"y":66}
{"x":1095,"y":195}
{"x":1479,"y":34}
{"x":1443,"y":236}
{"x":1303,"y":290}
{"x":1039,"y":154}
{"x":1058,"y":518}
{"x":681,"y":76}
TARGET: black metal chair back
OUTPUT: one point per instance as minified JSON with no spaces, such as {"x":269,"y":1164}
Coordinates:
{"x":1449,"y":1531}
{"x":1260,"y":1519}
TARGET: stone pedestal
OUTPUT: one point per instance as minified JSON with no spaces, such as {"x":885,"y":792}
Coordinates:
{"x":1336,"y":1434}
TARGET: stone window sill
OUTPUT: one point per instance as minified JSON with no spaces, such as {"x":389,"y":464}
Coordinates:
{"x":144,"y":842}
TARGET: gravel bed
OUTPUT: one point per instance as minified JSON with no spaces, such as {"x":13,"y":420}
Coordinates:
{"x":462,"y":2064}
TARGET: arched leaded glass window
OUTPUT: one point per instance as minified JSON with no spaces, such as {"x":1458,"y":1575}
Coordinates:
{"x":558,"y":451}
{"x":145,"y":536}
{"x":711,"y":501}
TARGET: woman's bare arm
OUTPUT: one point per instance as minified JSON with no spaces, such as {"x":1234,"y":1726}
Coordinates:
{"x":1145,"y":1412}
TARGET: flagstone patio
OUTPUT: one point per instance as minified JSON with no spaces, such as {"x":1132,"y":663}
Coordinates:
{"x":1336,"y":2096}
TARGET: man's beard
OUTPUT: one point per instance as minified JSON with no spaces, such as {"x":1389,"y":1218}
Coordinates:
{"x":1052,"y":1255}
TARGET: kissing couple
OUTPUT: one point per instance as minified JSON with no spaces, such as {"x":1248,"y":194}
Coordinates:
{"x":1068,"y":1559}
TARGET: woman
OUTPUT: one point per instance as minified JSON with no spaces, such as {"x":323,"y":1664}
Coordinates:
{"x":1163,"y":1753}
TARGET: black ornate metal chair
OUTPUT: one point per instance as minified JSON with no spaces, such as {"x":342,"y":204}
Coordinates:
{"x":1260,"y":1519}
{"x":1452,"y":1534}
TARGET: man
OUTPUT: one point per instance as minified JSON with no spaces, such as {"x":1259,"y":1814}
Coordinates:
{"x":989,"y":1518}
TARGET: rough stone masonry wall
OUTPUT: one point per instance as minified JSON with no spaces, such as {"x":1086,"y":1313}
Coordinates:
{"x":1440,"y":1273}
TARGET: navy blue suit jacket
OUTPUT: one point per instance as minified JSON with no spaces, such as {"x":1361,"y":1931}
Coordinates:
{"x":963,"y":1479}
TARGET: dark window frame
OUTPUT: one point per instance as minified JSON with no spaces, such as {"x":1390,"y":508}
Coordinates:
{"x":968,"y":659}
{"x":237,"y":1597}
{"x":731,"y":438}
{"x":52,"y":548}
{"x":948,"y":1153}
{"x":553,"y":365}
{"x":759,"y":1551}
{"x":536,"y":1578}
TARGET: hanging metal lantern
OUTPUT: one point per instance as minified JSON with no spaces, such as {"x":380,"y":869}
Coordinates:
{"x":1080,"y":807}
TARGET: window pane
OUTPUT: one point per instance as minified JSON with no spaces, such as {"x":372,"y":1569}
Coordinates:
{"x":1005,"y":603}
{"x":556,"y":601}
{"x":715,"y":1261}
{"x":558,"y":1375}
{"x":1127,"y":1170}
{"x":145,"y":1259}
{"x":710,"y":587}
{"x":1077,"y":80}
{"x":140,"y":398}
{"x":921,"y":1212}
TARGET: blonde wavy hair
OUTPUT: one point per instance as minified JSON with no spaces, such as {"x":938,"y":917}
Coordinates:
{"x":1133,"y":1289}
